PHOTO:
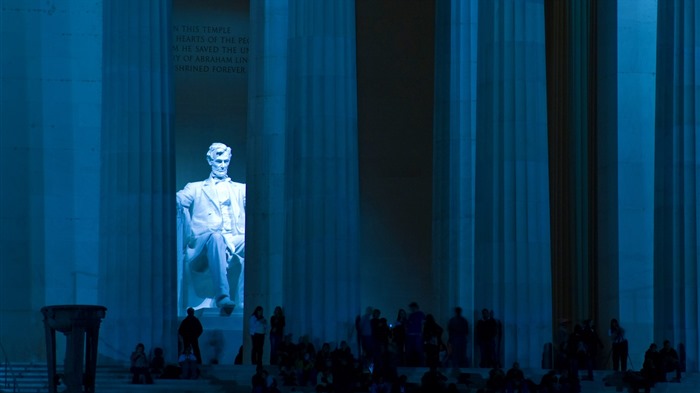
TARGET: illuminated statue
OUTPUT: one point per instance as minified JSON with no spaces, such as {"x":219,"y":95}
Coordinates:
{"x":213,"y":211}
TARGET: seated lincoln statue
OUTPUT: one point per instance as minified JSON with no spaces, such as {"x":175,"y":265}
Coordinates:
{"x":213,"y":212}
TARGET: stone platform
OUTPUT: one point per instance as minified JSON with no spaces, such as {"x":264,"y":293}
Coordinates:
{"x":24,"y":378}
{"x":222,"y":336}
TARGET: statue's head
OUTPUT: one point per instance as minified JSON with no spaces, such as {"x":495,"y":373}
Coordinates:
{"x":219,"y":157}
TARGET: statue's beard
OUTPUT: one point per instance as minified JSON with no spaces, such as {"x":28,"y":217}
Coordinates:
{"x":221,"y":174}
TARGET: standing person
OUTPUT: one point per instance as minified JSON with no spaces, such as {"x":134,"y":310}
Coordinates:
{"x":414,"y":336}
{"x":620,"y":350}
{"x":214,"y":215}
{"x":190,"y":329}
{"x":257,"y":327}
{"x":562,"y":339}
{"x":498,"y":339}
{"x":378,"y":333}
{"x":432,"y":338}
{"x":457,"y":331}
{"x":398,"y":335}
{"x":277,"y":323}
{"x":365,"y":329}
{"x":592,"y":343}
{"x":575,"y":352}
{"x":486,"y":332}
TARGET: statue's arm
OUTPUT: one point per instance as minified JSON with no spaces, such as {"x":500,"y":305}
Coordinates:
{"x":242,"y":188}
{"x":185,"y":197}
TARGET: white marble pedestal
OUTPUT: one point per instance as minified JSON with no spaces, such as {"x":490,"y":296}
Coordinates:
{"x":222,"y":336}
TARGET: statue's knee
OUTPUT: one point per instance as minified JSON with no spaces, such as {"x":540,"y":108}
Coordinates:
{"x":216,"y":237}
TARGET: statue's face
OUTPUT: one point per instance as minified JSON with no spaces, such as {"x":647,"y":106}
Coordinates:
{"x":219,"y":165}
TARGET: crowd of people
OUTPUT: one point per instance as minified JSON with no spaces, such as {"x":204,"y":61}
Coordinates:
{"x":415,"y":339}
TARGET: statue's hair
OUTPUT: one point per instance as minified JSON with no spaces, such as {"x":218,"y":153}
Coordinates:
{"x":216,"y":149}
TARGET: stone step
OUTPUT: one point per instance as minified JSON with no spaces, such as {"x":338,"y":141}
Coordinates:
{"x":32,"y":377}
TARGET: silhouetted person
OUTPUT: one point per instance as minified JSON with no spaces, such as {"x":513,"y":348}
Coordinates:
{"x":139,"y":365}
{"x":433,"y":381}
{"x":257,"y":327}
{"x":651,"y":369}
{"x":190,"y":329}
{"x":188,"y":364}
{"x":549,"y":382}
{"x":414,"y":335}
{"x":398,"y":335}
{"x":620,"y":349}
{"x":343,"y":368}
{"x":432,"y":337}
{"x":364,"y":328}
{"x":157,"y":362}
{"x":458,"y":330}
{"x":259,"y":380}
{"x":563,"y":333}
{"x":499,"y":340}
{"x":238,"y":360}
{"x":496,"y":381}
{"x":277,"y":324}
{"x":575,"y":352}
{"x":486,"y":332}
{"x":515,"y":378}
{"x":670,"y":361}
{"x":592,"y":344}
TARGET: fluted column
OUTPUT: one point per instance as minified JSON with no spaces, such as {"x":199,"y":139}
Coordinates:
{"x":677,"y":167}
{"x":137,"y":219}
{"x":570,"y":30}
{"x":265,"y":151}
{"x":454,"y":134}
{"x":321,"y":249}
{"x":50,"y":88}
{"x":512,"y":246}
{"x":625,"y":77}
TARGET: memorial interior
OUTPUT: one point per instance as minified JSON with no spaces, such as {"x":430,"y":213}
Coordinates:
{"x":536,"y":158}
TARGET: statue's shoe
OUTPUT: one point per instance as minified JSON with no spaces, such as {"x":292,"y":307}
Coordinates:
{"x":226,"y":306}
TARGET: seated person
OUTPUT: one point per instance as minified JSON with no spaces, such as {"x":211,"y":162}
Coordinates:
{"x":139,"y":366}
{"x":669,"y":361}
{"x":651,"y":369}
{"x":515,"y":377}
{"x":433,"y":381}
{"x":188,"y":364}
{"x":157,"y":362}
{"x":239,"y":356}
{"x":497,"y":380}
{"x":549,"y":382}
{"x":259,"y":380}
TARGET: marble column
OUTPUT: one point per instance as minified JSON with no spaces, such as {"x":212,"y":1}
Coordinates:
{"x":512,"y":247}
{"x":321,"y":244}
{"x":50,"y":87}
{"x":625,"y":189}
{"x":571,"y":112}
{"x":265,"y":151}
{"x":676,"y":182}
{"x":454,"y":134}
{"x":138,"y":280}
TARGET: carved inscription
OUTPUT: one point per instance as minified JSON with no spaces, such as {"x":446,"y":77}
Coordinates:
{"x":198,"y":48}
